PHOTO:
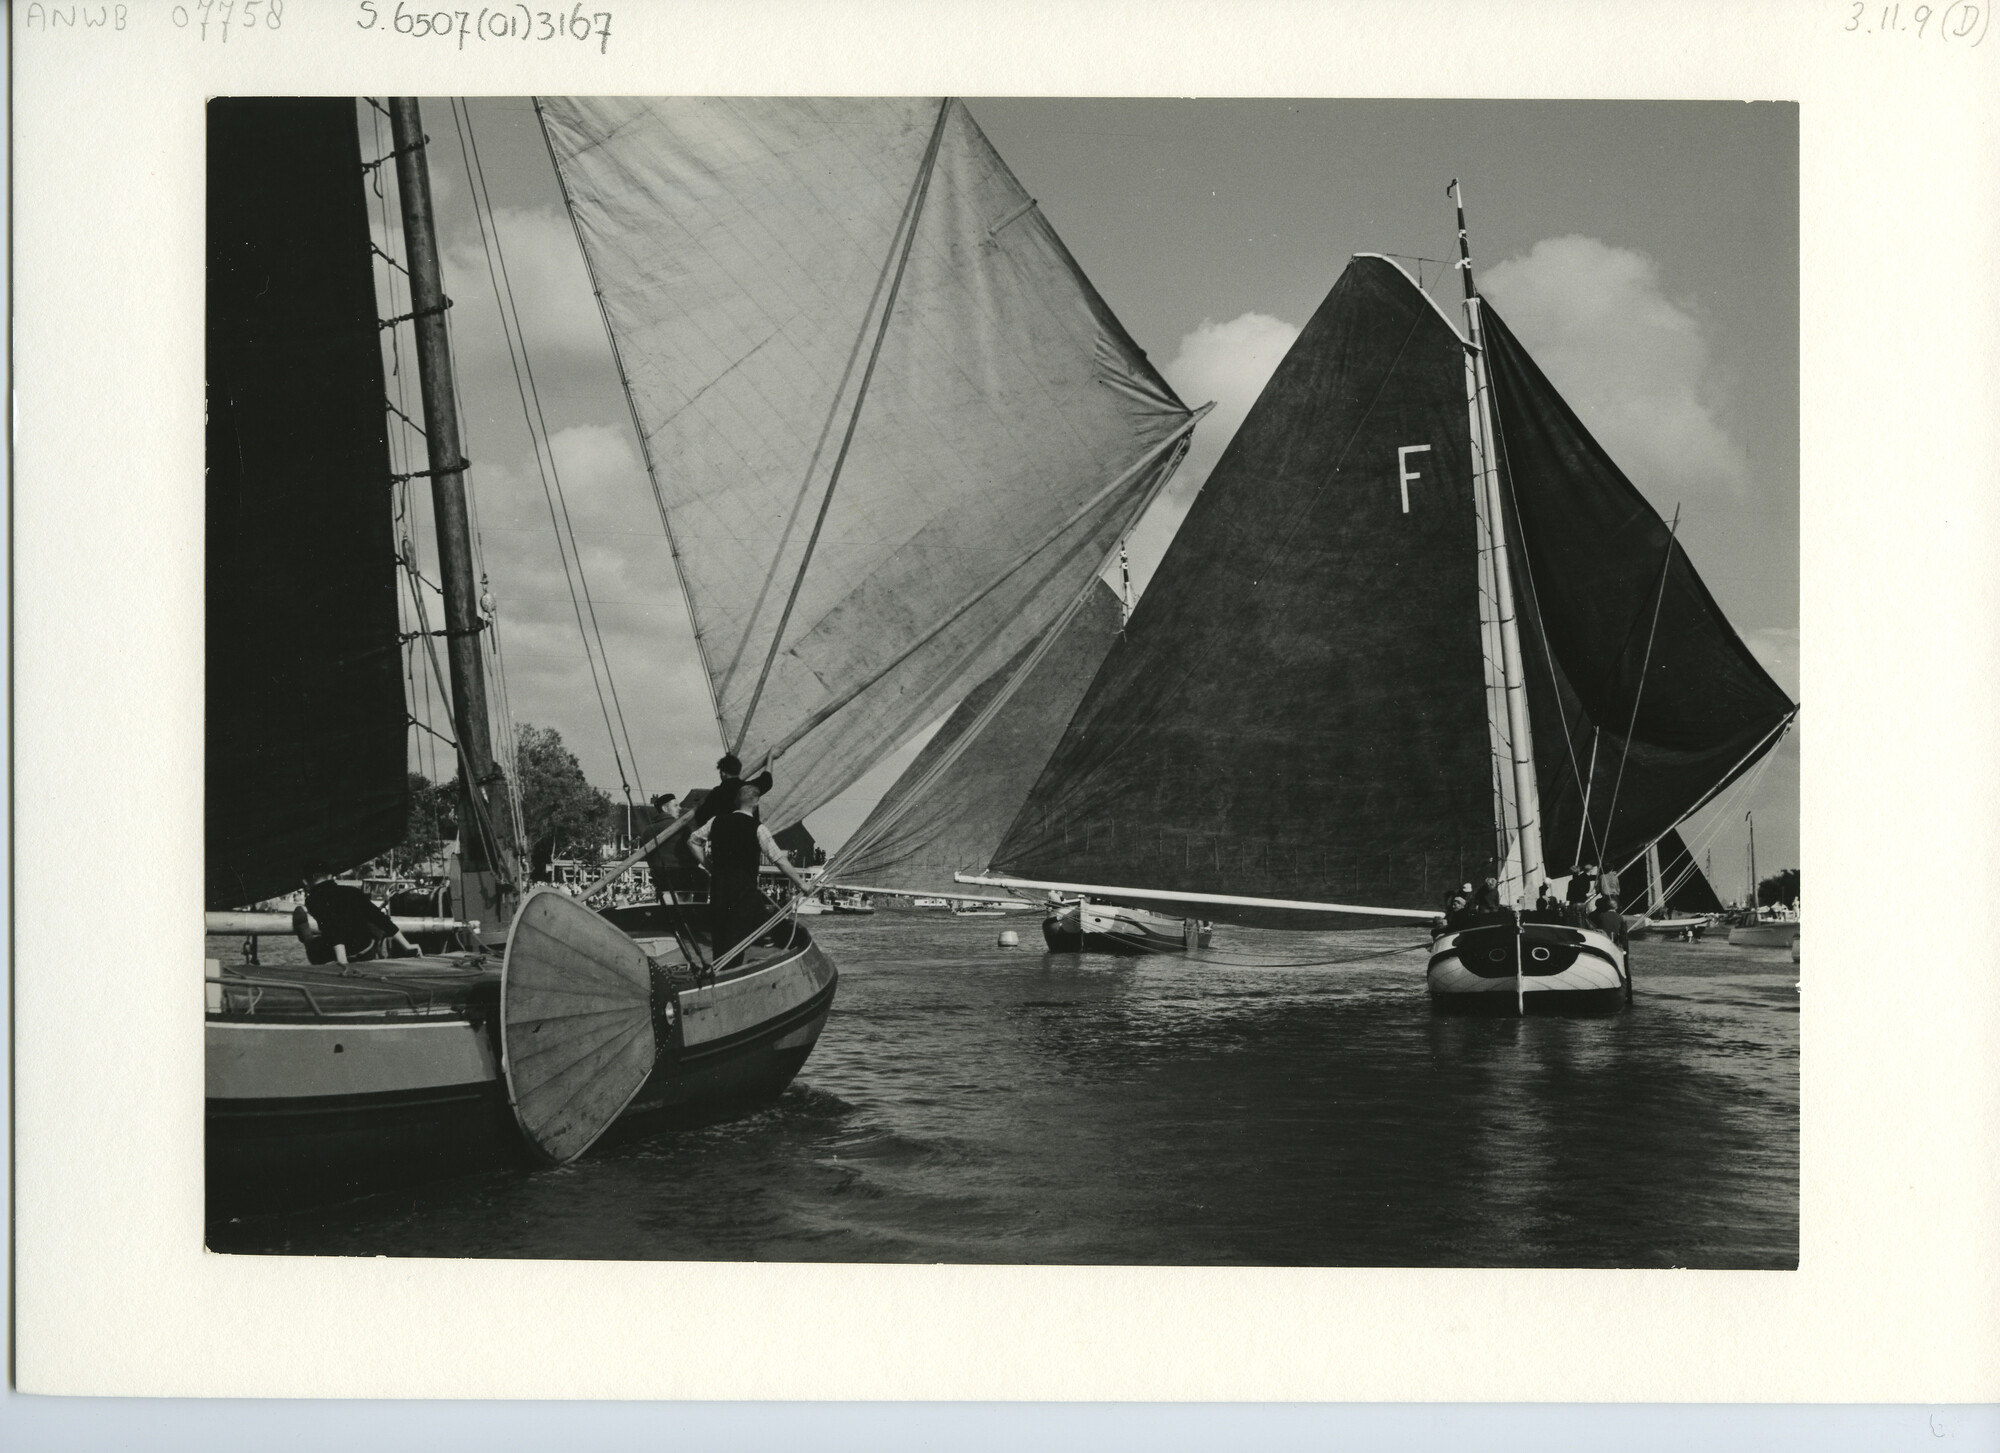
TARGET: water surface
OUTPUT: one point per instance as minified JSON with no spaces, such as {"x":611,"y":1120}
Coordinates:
{"x":1256,"y":1106}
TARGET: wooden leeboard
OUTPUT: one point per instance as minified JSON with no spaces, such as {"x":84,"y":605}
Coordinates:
{"x":576,"y":1025}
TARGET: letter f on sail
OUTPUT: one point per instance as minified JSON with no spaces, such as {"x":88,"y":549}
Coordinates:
{"x":1406,"y":473}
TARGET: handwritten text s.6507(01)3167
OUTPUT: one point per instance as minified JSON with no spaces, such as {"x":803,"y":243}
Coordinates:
{"x":511,"y":22}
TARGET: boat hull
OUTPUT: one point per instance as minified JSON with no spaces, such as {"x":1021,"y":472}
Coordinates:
{"x":738,"y":1042}
{"x":1765,"y":935}
{"x":306,"y":1112}
{"x":1095,"y":928}
{"x":1685,"y":929}
{"x":1545,"y":968}
{"x":307,"y":1105}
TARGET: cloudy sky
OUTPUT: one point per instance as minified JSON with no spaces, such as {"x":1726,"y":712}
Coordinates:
{"x":1647,"y":253}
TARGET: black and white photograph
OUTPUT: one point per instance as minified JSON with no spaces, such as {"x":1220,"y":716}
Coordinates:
{"x":805,"y":724}
{"x":1026,"y":681}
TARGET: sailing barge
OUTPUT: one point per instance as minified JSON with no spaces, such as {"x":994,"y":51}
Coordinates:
{"x":1417,"y":630}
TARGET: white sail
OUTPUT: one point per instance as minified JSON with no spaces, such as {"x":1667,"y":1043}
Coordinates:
{"x":1008,"y":433}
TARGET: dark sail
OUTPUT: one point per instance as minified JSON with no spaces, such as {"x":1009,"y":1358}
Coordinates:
{"x":1686,"y":888}
{"x":958,"y":821}
{"x":306,"y":725}
{"x":1592,"y":552}
{"x":1298,"y":709}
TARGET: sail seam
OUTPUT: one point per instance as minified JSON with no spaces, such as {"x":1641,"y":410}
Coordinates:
{"x":925,"y":175}
{"x":1082,"y":512}
{"x":1305,"y":513}
{"x":863,"y":841}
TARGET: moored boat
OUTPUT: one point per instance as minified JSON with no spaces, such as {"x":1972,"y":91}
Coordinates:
{"x":1687,"y":927}
{"x":1084,"y":927}
{"x":1765,"y":933}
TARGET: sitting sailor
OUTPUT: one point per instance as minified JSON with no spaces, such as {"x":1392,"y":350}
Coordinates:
{"x":1459,"y":909}
{"x":341,"y":923}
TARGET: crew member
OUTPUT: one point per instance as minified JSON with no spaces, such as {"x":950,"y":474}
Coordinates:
{"x":722,"y":797}
{"x":730,"y":845}
{"x":341,"y":923}
{"x":1579,"y":894}
{"x":1488,"y":898}
{"x":1459,"y":908}
{"x":1545,"y":901}
{"x":1607,"y":884}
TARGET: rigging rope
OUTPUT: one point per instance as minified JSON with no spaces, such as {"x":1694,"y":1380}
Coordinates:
{"x":469,"y":789}
{"x":638,"y":429}
{"x":1645,"y":664}
{"x":866,"y":838}
{"x":1541,"y":627}
{"x":819,"y":444}
{"x":399,"y":454}
{"x":924,"y":175}
{"x":1205,"y":956}
{"x":538,"y":432}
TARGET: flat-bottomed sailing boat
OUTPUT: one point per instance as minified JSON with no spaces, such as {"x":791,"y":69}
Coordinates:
{"x":1417,"y":630}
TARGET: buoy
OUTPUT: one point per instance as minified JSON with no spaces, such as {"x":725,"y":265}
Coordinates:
{"x":1010,"y":939}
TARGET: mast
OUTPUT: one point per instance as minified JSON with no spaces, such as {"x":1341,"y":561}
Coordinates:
{"x":1527,"y":798}
{"x":1751,"y":818}
{"x":486,"y":831}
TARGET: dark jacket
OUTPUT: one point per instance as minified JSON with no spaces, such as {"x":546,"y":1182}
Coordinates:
{"x":348,"y":917}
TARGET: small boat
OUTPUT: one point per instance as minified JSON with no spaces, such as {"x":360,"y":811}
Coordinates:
{"x":1765,"y":933}
{"x":851,"y":903}
{"x":1777,"y":928}
{"x":1675,"y":899}
{"x":1686,"y":927}
{"x":1084,"y":927}
{"x":977,"y":909}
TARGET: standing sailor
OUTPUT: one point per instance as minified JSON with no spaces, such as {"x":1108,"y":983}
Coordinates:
{"x":1579,"y":893}
{"x":731,"y":845}
{"x":722,"y":797}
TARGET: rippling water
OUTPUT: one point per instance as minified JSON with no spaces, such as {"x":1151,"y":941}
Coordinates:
{"x":974,"y":1104}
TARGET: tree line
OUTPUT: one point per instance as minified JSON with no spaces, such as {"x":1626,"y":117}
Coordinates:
{"x":1779,"y":888}
{"x":562,"y":815}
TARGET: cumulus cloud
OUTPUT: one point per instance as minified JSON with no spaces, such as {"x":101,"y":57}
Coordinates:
{"x":1634,"y":364}
{"x":639,"y":611}
{"x":551,"y":287}
{"x":1229,"y":364}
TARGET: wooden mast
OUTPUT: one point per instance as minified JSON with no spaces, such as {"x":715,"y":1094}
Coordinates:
{"x":1527,"y":795}
{"x":1751,"y":818}
{"x":488,"y":890}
